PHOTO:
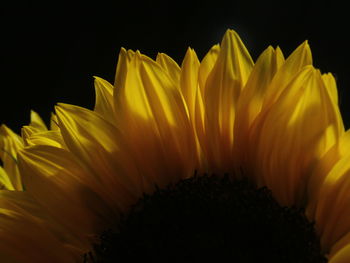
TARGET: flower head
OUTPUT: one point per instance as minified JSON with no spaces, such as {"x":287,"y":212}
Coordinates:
{"x":275,"y":123}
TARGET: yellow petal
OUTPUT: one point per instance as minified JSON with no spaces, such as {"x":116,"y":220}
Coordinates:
{"x":52,"y":138}
{"x":222,"y":90}
{"x":207,"y":65}
{"x":300,"y":58}
{"x":342,"y":256}
{"x":205,"y":69}
{"x":169,"y":66}
{"x":66,"y":190}
{"x":5,"y":182}
{"x":331,"y":88}
{"x":252,"y":97}
{"x":321,"y":171}
{"x":36,"y":121}
{"x":104,"y":99}
{"x":54,"y":122}
{"x":339,"y":252}
{"x":332,"y":215}
{"x":26,"y":132}
{"x":10,"y":144}
{"x":95,"y":143}
{"x":123,"y":62}
{"x":331,"y":85}
{"x":189,"y":80}
{"x":28,"y":234}
{"x":152,"y":103}
{"x":303,"y":122}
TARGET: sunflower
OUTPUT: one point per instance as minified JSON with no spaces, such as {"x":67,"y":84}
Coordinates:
{"x":260,"y":142}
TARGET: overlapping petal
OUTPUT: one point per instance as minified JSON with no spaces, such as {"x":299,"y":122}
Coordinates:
{"x":222,"y":89}
{"x":10,"y":144}
{"x":329,"y":190}
{"x":150,"y":101}
{"x":94,"y":141}
{"x":293,"y":124}
{"x":67,"y":191}
{"x":30,"y":234}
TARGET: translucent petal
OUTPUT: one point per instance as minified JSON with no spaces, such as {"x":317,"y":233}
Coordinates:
{"x":104,"y":99}
{"x":297,"y":121}
{"x":339,"y":252}
{"x":300,"y":58}
{"x":95,"y":143}
{"x":37,"y":122}
{"x":321,"y":171}
{"x":52,"y":138}
{"x":151,"y":103}
{"x":331,"y":85}
{"x":207,"y":66}
{"x":122,"y":66}
{"x":26,"y":132}
{"x":5,"y":182}
{"x":252,"y":97}
{"x":24,"y":222}
{"x":169,"y":66}
{"x":10,"y":144}
{"x":189,"y":80}
{"x":205,"y":69}
{"x":331,"y":88}
{"x":332,"y":215}
{"x":66,"y":190}
{"x":54,"y":122}
{"x":222,"y":90}
{"x":341,"y":256}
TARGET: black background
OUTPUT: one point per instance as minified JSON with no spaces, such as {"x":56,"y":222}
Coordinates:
{"x":50,"y":52}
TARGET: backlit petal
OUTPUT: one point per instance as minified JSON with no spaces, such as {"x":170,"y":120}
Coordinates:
{"x":37,"y":122}
{"x":252,"y":97}
{"x":189,"y":80}
{"x":28,"y":234}
{"x":104,"y":99}
{"x":10,"y":144}
{"x":66,"y":190}
{"x":294,"y":122}
{"x":222,"y":89}
{"x":169,"y":66}
{"x":150,"y":102}
{"x":95,"y":143}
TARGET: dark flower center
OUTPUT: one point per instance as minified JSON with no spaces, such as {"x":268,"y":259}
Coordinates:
{"x":214,"y":219}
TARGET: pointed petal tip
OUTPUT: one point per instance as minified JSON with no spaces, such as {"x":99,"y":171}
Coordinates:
{"x":269,"y":50}
{"x":279,"y":50}
{"x":305,"y":45}
{"x":97,"y":79}
{"x":230,"y":31}
{"x":190,"y":51}
{"x":60,"y":106}
{"x":122,"y":50}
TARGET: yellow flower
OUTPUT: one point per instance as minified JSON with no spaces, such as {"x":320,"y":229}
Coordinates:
{"x":275,"y":123}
